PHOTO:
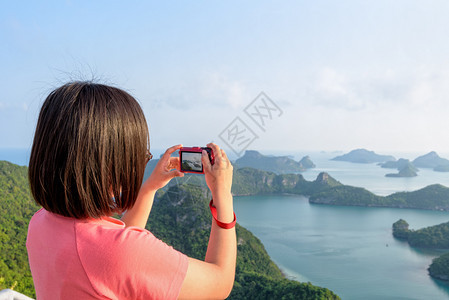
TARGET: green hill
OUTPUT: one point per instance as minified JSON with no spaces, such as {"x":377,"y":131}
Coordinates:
{"x":436,"y":237}
{"x":307,"y":162}
{"x":249,"y":181}
{"x":16,"y":207}
{"x":327,"y":190}
{"x":277,"y":164}
{"x":439,"y":268}
{"x":433,"y":197}
{"x":400,"y":229}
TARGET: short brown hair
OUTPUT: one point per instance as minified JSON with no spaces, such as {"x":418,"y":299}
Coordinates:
{"x":89,"y":151}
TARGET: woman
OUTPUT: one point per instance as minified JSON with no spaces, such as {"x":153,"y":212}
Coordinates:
{"x":87,"y":163}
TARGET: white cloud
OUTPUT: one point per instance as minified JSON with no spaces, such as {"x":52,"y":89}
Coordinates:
{"x":412,"y":88}
{"x":205,"y":90}
{"x":401,"y":109}
{"x":220,"y":89}
{"x":332,"y":88}
{"x":332,"y":83}
{"x":430,"y":88}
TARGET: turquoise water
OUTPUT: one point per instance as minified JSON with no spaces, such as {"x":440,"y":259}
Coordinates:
{"x":349,"y":250}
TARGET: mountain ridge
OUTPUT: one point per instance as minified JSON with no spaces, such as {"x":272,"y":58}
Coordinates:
{"x":431,"y":160}
{"x":363,"y":156}
{"x":277,"y":164}
{"x":327,"y":190}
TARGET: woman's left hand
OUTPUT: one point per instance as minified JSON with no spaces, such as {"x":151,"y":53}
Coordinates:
{"x":166,"y":169}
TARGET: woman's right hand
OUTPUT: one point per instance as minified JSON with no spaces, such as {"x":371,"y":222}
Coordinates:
{"x":219,"y":180}
{"x":219,"y":175}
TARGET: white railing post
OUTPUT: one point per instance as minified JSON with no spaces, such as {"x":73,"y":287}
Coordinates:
{"x":12,"y":295}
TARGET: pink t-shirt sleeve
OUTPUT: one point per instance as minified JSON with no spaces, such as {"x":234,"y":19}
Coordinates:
{"x":130,"y":263}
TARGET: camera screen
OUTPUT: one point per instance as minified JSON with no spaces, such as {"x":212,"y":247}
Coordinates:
{"x":191,"y":161}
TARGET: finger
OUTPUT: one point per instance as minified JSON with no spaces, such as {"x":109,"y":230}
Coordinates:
{"x":175,"y":173}
{"x":172,"y":174}
{"x":224,"y":156}
{"x":216,"y":149}
{"x":206,"y":162}
{"x":170,"y":150}
{"x":174,"y":163}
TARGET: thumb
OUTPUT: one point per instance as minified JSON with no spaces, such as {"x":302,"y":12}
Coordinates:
{"x":175,"y":173}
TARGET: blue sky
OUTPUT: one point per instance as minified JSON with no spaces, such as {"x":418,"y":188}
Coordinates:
{"x":346,"y":74}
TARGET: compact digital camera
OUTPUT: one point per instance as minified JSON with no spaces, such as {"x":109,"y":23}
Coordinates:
{"x":190,"y":159}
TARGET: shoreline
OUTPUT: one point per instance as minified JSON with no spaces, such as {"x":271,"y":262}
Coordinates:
{"x":290,"y":274}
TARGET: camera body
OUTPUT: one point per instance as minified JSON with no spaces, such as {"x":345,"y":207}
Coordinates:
{"x":190,"y":159}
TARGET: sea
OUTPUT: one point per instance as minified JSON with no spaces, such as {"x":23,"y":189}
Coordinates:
{"x":349,"y":250}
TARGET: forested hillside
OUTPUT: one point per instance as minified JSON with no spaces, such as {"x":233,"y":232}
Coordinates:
{"x":277,"y":164}
{"x":326,"y":190}
{"x":16,"y":207}
{"x":436,"y":237}
{"x":439,"y":268}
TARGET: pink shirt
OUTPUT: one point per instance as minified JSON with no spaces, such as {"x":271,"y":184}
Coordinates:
{"x":100,"y":259}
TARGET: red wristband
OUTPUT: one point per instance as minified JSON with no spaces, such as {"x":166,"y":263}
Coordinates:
{"x":213,"y":210}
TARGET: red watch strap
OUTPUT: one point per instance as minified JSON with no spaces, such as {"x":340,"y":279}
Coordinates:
{"x":213,"y":210}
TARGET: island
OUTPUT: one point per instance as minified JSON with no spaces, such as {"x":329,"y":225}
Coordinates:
{"x":363,"y":156}
{"x":400,"y":229}
{"x":439,"y":268}
{"x":435,"y":237}
{"x":433,"y":161}
{"x":327,"y":190}
{"x":430,"y":160}
{"x":277,"y":164}
{"x":397,"y":164}
{"x":407,"y":170}
{"x":432,"y":197}
{"x":307,"y":163}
